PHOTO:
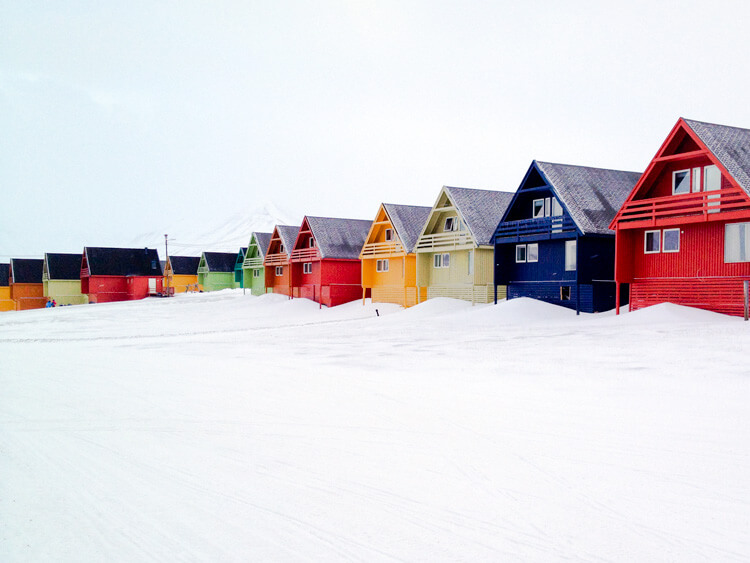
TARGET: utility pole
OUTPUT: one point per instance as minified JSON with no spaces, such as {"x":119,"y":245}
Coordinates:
{"x":166,"y":253}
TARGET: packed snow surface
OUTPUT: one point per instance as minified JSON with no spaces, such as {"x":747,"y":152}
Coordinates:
{"x":226,"y":427}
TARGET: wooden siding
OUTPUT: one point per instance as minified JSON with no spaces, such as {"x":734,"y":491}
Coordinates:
{"x":456,"y":281}
{"x":6,"y":303}
{"x":398,"y":294}
{"x":65,"y":292}
{"x":720,"y":295}
{"x":279,"y":284}
{"x":594,"y":297}
{"x":105,"y":289}
{"x":182,"y":283}
{"x":257,"y":286}
{"x":28,"y":295}
{"x":467,"y":292}
{"x":216,"y":281}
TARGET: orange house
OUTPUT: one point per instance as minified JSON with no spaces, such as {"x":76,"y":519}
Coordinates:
{"x":6,"y":303}
{"x":26,"y":283}
{"x":277,"y":263}
{"x":389,"y":264}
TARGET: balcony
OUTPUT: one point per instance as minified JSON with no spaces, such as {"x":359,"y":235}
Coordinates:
{"x":256,"y":262}
{"x":281,"y":259}
{"x":727,"y":203}
{"x":542,"y":227}
{"x":382,"y":249}
{"x":450,"y":239}
{"x":305,"y":255}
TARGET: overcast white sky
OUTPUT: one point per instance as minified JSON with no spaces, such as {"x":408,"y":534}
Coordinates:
{"x":118,"y":118}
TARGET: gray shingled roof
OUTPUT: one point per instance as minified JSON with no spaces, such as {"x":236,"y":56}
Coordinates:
{"x":408,"y":221}
{"x":593,"y":196}
{"x":262,"y":240}
{"x":288,"y":235}
{"x":481,"y":209}
{"x":731,"y":145}
{"x":220,"y":261}
{"x":339,"y":238}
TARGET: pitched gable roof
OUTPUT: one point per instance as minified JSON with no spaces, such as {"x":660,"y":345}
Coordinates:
{"x":288,"y":235}
{"x":262,"y":240}
{"x":123,"y":261}
{"x":63,"y":266}
{"x":27,"y":270}
{"x":4,"y":275}
{"x":184,"y":265}
{"x":220,"y":261}
{"x":339,"y":238}
{"x":730,"y":145}
{"x":480,"y":209}
{"x":592,"y":196}
{"x":408,"y":221}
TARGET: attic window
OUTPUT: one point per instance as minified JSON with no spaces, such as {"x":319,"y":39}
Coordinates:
{"x":388,"y":235}
{"x":681,"y":182}
{"x":281,"y":247}
{"x":546,"y":207}
{"x":451,"y":224}
{"x":311,"y":242}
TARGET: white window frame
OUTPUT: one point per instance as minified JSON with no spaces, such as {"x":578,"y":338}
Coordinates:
{"x":453,"y":224}
{"x":557,"y":208}
{"x":311,"y":242}
{"x":256,"y":272}
{"x":279,"y":270}
{"x":446,"y":260}
{"x":745,"y":227}
{"x":281,"y":248}
{"x":537,"y":213}
{"x":645,"y":242}
{"x":695,"y":184}
{"x":674,"y":181}
{"x":388,"y":235}
{"x":664,"y":241}
{"x":521,"y":259}
{"x":441,"y":260}
{"x":529,"y":247}
{"x":471,"y":263}
{"x":307,"y":267}
{"x":571,"y":253}
{"x":382,"y":265}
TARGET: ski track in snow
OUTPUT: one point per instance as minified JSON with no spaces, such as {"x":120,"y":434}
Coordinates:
{"x":230,"y":427}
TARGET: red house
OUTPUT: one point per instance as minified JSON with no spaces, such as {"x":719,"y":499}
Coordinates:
{"x":325,"y":261}
{"x":120,"y":274}
{"x":683,"y":233}
{"x":277,"y":263}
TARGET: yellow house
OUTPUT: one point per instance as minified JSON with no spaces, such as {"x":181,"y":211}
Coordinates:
{"x":181,"y":274}
{"x":455,"y":251}
{"x":389,"y":264}
{"x":6,"y":303}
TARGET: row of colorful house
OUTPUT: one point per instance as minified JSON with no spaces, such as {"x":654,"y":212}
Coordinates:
{"x":585,"y":238}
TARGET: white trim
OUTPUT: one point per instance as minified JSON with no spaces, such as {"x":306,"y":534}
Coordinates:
{"x":454,"y":224}
{"x":529,"y":246}
{"x":664,"y":240}
{"x":256,"y":272}
{"x":521,"y":260}
{"x":311,"y":242}
{"x":674,"y":185}
{"x":382,"y":265}
{"x":540,"y":213}
{"x":645,"y":245}
{"x":279,"y":270}
{"x":571,"y":251}
{"x":307,"y":267}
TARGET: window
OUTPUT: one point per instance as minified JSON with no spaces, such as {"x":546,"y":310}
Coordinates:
{"x":311,"y":242}
{"x":307,"y":268}
{"x":712,"y":182}
{"x":546,"y":207}
{"x":256,"y":273}
{"x":279,"y":270}
{"x":281,"y":248}
{"x":532,"y":252}
{"x":681,"y":182}
{"x":737,"y":242}
{"x":442,"y":260}
{"x":537,"y":207}
{"x":696,"y":179}
{"x":571,"y":259}
{"x":520,"y":253}
{"x":451,"y":224}
{"x":565,"y":292}
{"x":388,"y":235}
{"x":557,"y":209}
{"x":671,"y":240}
{"x":382,"y":265}
{"x":471,"y":262}
{"x":652,"y":242}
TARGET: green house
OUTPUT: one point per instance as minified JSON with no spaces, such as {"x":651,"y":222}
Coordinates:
{"x":238,"y":278}
{"x":61,"y":277}
{"x":253,"y":273}
{"x":216,"y":271}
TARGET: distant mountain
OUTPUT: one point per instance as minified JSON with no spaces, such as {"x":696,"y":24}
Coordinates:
{"x":226,"y":235}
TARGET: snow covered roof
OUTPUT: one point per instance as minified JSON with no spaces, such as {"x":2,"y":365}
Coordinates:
{"x":339,"y":238}
{"x":408,"y":221}
{"x":480,"y":209}
{"x":220,"y":261}
{"x":185,"y":265}
{"x":122,"y":261}
{"x":592,"y":196}
{"x":63,"y":266}
{"x":26,"y":270}
{"x":731,"y":145}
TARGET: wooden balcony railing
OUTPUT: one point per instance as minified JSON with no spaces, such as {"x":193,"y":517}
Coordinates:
{"x":382,"y":249}
{"x":442,"y":240}
{"x":255,"y":262}
{"x":693,"y":207}
{"x":305,"y":255}
{"x":281,"y":259}
{"x":540,"y":226}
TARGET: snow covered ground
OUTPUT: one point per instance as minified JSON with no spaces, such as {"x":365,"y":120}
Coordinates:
{"x":225,"y":427}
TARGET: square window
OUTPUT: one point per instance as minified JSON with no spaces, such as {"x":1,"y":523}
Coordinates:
{"x":737,"y":242}
{"x":538,"y":208}
{"x":256,"y":273}
{"x":565,"y":293}
{"x":532,"y":252}
{"x":279,"y":270}
{"x":388,"y":235}
{"x":571,"y":258}
{"x":671,"y":240}
{"x":450,"y":224}
{"x":307,"y":268}
{"x":520,"y":253}
{"x":437,"y":261}
{"x":652,"y":242}
{"x":382,"y":265}
{"x":681,"y":182}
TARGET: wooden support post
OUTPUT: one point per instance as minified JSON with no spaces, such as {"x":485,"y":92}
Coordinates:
{"x":364,"y":292}
{"x":617,"y":298}
{"x":746,"y":293}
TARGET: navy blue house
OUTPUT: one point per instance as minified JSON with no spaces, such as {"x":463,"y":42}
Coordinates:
{"x":554,"y":243}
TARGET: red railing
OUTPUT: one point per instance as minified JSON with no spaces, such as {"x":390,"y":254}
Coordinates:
{"x":700,"y":206}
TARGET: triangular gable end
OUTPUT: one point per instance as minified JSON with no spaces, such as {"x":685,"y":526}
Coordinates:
{"x":45,"y":268}
{"x":305,"y":237}
{"x":443,"y":204}
{"x":203,"y":265}
{"x":85,"y":272}
{"x":382,"y":221}
{"x":168,"y":267}
{"x":682,"y":142}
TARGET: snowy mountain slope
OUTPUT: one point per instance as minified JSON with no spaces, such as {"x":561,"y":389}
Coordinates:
{"x":224,"y":235}
{"x":230,"y":427}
